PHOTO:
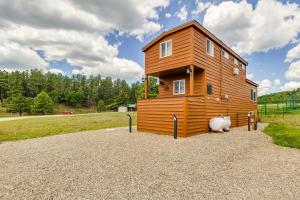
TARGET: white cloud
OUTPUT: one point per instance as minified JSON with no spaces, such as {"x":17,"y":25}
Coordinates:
{"x":249,"y":29}
{"x":182,"y":14}
{"x":76,"y":71}
{"x":293,"y":54}
{"x":277,"y":82}
{"x":250,"y":76}
{"x":293,"y":73}
{"x":168,"y":15}
{"x":266,"y":86}
{"x":56,"y":71}
{"x":16,"y":57}
{"x":292,"y":85}
{"x":200,"y":7}
{"x":74,"y":30}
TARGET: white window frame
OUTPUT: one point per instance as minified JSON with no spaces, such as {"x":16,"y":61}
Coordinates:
{"x":235,"y":61}
{"x":243,"y":66}
{"x":211,"y":53}
{"x":167,"y":53}
{"x":225,"y":54}
{"x":181,"y":81}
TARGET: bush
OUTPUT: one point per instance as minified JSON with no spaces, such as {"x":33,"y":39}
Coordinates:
{"x":42,"y":103}
{"x":75,"y":98}
{"x":100,"y":106}
{"x":18,"y":104}
{"x":112,"y":106}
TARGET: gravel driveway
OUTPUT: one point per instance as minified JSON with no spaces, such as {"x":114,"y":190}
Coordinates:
{"x":113,"y":164}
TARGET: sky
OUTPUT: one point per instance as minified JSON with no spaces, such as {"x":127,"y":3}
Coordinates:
{"x":105,"y":37}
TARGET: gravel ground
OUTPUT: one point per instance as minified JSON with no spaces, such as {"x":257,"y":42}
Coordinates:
{"x":113,"y":164}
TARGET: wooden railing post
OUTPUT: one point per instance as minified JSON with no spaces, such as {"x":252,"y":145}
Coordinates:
{"x":146,"y":86}
{"x":192,"y":80}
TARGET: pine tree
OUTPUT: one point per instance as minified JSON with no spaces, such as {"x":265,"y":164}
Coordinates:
{"x":42,"y":103}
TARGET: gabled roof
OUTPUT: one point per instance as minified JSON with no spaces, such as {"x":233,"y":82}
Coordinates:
{"x":252,"y":82}
{"x":199,"y":27}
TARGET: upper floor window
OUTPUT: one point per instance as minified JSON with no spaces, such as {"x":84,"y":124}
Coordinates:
{"x":225,"y":54}
{"x":235,"y":61}
{"x":243,"y":66}
{"x":166,"y":48}
{"x":179,"y":86}
{"x":209,"y":47}
{"x":253,"y":94}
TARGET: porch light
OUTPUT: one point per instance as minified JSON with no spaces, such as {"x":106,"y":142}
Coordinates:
{"x":188,"y":71}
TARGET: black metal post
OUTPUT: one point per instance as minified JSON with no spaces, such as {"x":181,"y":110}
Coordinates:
{"x":175,"y":126}
{"x":130,"y":123}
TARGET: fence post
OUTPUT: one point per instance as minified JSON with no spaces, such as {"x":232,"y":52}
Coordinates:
{"x":265,"y":106}
{"x":249,"y":121}
{"x":130,"y":123}
{"x":175,"y":126}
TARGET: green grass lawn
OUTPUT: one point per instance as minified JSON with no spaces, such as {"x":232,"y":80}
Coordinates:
{"x":45,"y":126}
{"x":284,"y":131}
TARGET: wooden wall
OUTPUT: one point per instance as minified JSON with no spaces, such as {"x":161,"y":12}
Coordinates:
{"x":219,"y":73}
{"x":194,"y":112}
{"x":166,"y":90}
{"x":156,"y":115}
{"x":181,"y":53}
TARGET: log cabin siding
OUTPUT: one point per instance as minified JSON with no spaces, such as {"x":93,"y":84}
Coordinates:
{"x":156,"y":115}
{"x":181,"y":53}
{"x":219,"y":73}
{"x":194,"y":111}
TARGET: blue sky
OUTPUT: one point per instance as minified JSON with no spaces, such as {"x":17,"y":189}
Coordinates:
{"x":106,"y":37}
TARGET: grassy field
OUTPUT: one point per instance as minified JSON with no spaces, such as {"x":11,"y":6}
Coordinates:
{"x":284,"y":131}
{"x":45,"y":126}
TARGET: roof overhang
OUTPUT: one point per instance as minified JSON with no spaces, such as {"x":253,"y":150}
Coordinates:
{"x":197,"y":25}
{"x":252,"y":82}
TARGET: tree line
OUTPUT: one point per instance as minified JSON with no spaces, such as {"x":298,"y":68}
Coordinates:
{"x":280,"y":96}
{"x":29,"y":91}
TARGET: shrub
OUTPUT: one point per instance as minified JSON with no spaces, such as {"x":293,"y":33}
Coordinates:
{"x":42,"y":103}
{"x":100,"y":106}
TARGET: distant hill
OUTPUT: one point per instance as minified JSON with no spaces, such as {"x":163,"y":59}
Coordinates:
{"x":280,"y":95}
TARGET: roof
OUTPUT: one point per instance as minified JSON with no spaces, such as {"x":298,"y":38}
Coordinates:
{"x":199,"y":27}
{"x":252,"y":82}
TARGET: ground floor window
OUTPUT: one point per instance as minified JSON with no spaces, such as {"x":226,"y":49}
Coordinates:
{"x":179,"y":86}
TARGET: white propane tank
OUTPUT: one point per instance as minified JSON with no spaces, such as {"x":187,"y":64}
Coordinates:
{"x":227,"y":123}
{"x":220,"y":123}
{"x":217,"y":124}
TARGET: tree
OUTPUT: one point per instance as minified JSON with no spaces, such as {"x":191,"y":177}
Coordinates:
{"x":152,"y":89}
{"x":100,"y":106}
{"x":123,"y":94}
{"x":75,"y":98}
{"x":19,"y":104}
{"x":42,"y":103}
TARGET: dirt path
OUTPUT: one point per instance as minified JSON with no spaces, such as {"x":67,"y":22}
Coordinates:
{"x":113,"y":164}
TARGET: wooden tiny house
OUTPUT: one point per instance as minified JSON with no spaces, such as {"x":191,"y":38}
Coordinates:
{"x":199,"y":78}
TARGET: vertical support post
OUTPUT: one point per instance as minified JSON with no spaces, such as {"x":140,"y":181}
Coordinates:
{"x":192,"y":79}
{"x":249,"y":121}
{"x":130,"y":123}
{"x":175,"y":126}
{"x":146,"y":86}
